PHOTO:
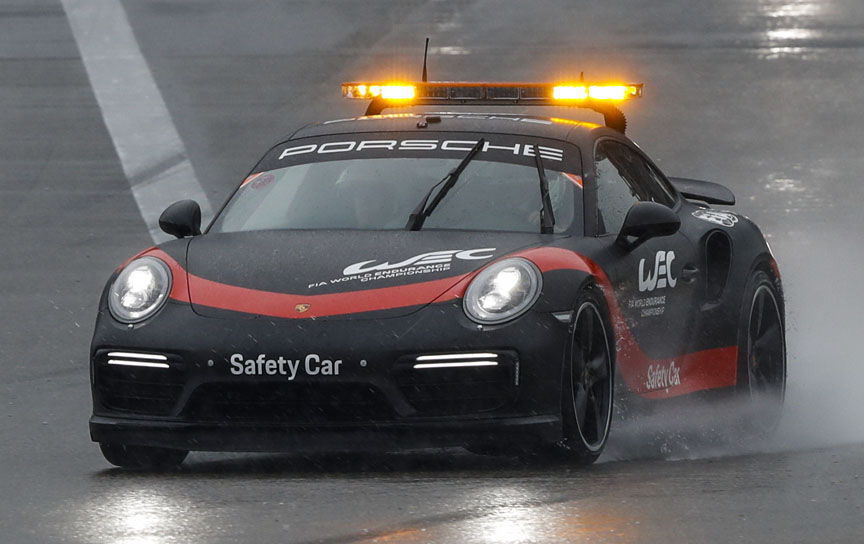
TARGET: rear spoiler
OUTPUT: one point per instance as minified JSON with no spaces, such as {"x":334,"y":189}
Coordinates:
{"x":705,"y":191}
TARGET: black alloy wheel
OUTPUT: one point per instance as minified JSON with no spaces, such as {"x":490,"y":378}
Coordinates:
{"x":588,"y":387}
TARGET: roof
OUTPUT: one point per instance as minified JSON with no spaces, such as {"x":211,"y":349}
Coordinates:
{"x":504,"y":123}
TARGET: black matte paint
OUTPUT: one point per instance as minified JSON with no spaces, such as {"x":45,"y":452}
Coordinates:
{"x":374,"y":345}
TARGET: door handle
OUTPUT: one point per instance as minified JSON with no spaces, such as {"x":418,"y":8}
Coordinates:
{"x":689,"y":273}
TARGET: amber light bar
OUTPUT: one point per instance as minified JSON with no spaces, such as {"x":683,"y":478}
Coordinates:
{"x":600,"y":97}
{"x":443,"y":91}
{"x":389,"y":91}
{"x":596,"y":92}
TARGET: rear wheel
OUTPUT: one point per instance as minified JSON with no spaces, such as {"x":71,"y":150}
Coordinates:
{"x":145,"y":457}
{"x":587,"y":390}
{"x":762,"y":355}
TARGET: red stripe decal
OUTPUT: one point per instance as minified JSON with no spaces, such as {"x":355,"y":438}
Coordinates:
{"x":283,"y":305}
{"x":179,"y":284}
{"x":130,"y":259}
{"x":241,"y":299}
{"x":650,"y":378}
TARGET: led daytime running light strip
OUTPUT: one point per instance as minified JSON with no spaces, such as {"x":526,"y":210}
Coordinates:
{"x":137,"y":363}
{"x":462,"y":356}
{"x":151,"y":356}
{"x":148,"y":362}
{"x":456,"y":364}
{"x":457,"y":360}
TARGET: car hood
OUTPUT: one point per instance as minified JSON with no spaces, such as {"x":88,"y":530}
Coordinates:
{"x":335,"y":274}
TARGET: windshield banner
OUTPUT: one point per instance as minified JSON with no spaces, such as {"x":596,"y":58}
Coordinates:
{"x":557,"y":155}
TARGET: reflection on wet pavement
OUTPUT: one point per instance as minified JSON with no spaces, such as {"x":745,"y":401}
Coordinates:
{"x":457,"y":497}
{"x":138,"y":515}
{"x":564,"y":522}
{"x":786,"y":24}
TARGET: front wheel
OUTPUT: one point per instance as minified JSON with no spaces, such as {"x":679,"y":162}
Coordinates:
{"x":141,"y":457}
{"x":587,"y":388}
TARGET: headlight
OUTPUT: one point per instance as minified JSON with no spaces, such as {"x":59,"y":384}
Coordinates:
{"x":502,"y":291}
{"x":140,"y":289}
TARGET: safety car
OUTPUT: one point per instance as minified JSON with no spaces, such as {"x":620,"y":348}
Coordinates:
{"x":495,"y":280}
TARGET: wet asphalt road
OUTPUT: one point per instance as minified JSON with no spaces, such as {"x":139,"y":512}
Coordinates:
{"x":761,"y":95}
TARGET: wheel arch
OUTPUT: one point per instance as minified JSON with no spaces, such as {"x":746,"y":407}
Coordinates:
{"x":765,"y":262}
{"x":561,"y":288}
{"x":594,"y":289}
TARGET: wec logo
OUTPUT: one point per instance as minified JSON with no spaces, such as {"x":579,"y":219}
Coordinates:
{"x":425,"y":259}
{"x":725,"y":219}
{"x":662,"y":274}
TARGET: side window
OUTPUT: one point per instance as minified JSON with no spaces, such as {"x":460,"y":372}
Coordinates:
{"x":623,"y":177}
{"x":615,"y":193}
{"x":664,"y":194}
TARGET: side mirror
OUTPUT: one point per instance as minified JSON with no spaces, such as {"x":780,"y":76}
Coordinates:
{"x":181,"y":219}
{"x":646,"y":220}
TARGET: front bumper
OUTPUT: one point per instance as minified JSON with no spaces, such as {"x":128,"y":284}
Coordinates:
{"x":513,"y":432}
{"x":210,"y":398}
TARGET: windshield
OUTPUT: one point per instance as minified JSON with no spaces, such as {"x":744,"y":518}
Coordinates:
{"x":379,"y":193}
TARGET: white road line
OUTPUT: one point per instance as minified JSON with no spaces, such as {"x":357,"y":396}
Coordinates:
{"x":150,"y":150}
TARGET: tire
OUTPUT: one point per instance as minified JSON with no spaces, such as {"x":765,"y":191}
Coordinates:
{"x":588,"y":382}
{"x":142,"y":457}
{"x":761,"y":383}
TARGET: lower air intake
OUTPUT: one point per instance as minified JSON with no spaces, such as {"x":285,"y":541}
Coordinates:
{"x":458,"y":383}
{"x":138,"y":383}
{"x":288,"y":403}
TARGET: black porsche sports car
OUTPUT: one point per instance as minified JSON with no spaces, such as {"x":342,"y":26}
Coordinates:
{"x":494,"y":281}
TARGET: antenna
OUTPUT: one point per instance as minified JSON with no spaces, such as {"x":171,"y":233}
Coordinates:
{"x":425,"y":53}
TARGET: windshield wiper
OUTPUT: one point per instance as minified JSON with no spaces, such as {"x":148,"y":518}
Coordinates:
{"x":422,"y":211}
{"x":547,"y":216}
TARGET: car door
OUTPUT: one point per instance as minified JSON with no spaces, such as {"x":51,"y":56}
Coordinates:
{"x":655,"y":281}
